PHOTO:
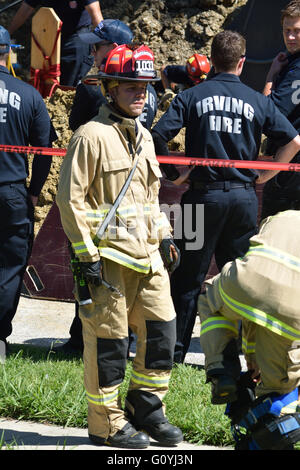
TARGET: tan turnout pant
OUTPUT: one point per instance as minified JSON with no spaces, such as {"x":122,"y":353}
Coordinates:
{"x":147,"y":308}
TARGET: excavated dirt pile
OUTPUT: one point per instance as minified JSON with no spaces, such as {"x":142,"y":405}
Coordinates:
{"x":174,"y":29}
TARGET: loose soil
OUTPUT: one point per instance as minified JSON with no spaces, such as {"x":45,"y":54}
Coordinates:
{"x":174,"y":29}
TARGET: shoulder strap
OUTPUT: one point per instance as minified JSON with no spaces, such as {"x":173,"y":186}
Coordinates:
{"x":114,"y":207}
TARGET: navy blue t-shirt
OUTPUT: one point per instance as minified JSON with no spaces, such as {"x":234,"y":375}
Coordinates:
{"x":286,"y":93}
{"x":224,"y":119}
{"x":24,"y":120}
{"x":88,"y":99}
{"x":72,"y":13}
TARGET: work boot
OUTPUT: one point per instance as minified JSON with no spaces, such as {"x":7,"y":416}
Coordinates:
{"x":69,"y":349}
{"x":127,"y":438}
{"x":165,"y":433}
{"x":223,"y":389}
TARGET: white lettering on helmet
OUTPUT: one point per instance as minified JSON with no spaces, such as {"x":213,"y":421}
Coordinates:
{"x":144,"y":65}
{"x":137,"y":54}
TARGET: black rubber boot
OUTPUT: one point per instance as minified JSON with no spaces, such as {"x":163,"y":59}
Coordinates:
{"x":165,"y":433}
{"x":69,"y":348}
{"x":223,"y":389}
{"x":127,"y":438}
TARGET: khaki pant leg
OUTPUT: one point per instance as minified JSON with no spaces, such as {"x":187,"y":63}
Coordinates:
{"x":279,"y":361}
{"x":219,"y":326}
{"x":153,"y":320}
{"x":103,"y":321}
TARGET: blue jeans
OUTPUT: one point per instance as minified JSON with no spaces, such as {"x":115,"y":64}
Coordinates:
{"x":230,"y":218}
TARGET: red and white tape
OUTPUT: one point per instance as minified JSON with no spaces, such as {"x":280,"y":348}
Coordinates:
{"x":173,"y":159}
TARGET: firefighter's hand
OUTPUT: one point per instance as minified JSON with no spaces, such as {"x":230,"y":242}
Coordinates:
{"x":92,"y":272}
{"x":170,"y":254}
{"x":184,"y":177}
{"x":253,"y":367}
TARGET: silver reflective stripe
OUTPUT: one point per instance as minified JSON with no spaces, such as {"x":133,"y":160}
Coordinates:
{"x":124,"y":260}
{"x":261,"y":318}
{"x":149,"y":381}
{"x":218,"y":322}
{"x":102,"y":399}
{"x":248,"y":348}
{"x":280,"y":256}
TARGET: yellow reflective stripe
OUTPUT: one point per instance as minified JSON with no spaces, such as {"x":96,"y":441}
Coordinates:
{"x":148,"y":380}
{"x":96,"y":214}
{"x":127,"y":211}
{"x":261,"y":318}
{"x":280,"y":256}
{"x":124,"y":211}
{"x":124,"y":260}
{"x":217,"y":322}
{"x":82,"y":247}
{"x":248,"y":348}
{"x":102,"y":399}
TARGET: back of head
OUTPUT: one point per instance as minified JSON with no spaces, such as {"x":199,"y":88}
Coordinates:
{"x":292,"y":10}
{"x":226,"y":50}
{"x":4,"y":41}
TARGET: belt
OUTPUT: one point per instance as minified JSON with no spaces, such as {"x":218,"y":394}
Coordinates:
{"x":11,"y":183}
{"x":224,"y":185}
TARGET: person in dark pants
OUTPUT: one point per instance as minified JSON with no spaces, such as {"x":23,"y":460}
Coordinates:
{"x":24,"y":120}
{"x":282,"y":87}
{"x":77,"y":16}
{"x":87,"y":101}
{"x":223,"y":119}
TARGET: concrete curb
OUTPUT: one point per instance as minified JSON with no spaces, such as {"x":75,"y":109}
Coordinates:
{"x":24,"y":435}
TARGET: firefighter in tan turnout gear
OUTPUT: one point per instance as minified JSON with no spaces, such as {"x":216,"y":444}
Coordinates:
{"x":133,"y":257}
{"x":262,"y":290}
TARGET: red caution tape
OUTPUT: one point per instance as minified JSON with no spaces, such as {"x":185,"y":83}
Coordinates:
{"x":255,"y":165}
{"x":173,"y":159}
{"x":37,"y":150}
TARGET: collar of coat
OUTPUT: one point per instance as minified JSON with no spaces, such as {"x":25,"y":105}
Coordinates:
{"x":130,"y":127}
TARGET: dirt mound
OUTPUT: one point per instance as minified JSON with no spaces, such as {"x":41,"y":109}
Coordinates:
{"x":174,"y":29}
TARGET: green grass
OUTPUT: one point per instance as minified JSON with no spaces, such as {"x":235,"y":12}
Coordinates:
{"x":45,"y":387}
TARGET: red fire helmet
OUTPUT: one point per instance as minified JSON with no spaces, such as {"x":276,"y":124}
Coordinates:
{"x":129,"y":62}
{"x":198,"y":67}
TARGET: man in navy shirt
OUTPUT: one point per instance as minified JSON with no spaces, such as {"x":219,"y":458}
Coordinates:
{"x":24,"y":120}
{"x":88,"y":99}
{"x":223,"y":119}
{"x":76,"y":16}
{"x":283,"y":87}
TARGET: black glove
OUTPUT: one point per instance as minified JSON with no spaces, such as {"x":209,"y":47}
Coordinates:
{"x":170,"y":254}
{"x":92,"y":272}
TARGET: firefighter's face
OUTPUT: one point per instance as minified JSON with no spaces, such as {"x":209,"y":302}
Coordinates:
{"x":130,"y":97}
{"x":291,"y":34}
